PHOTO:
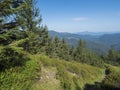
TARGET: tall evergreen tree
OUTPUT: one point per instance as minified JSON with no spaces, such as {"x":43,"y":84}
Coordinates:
{"x":113,"y":57}
{"x":80,"y":51}
{"x":71,"y":52}
{"x":10,"y":55}
{"x":8,"y":10}
{"x":30,"y":22}
{"x":29,"y":16}
{"x":64,"y":50}
{"x":56,"y":43}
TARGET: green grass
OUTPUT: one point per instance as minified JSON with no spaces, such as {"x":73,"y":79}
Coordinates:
{"x":47,"y":80}
{"x":72,"y":74}
{"x":20,"y":78}
{"x":112,"y":79}
{"x":44,"y":73}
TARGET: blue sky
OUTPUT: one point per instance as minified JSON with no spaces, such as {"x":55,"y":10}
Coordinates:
{"x":81,"y":15}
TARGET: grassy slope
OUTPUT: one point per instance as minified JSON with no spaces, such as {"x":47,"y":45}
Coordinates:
{"x":43,"y":73}
{"x":20,"y":78}
{"x":47,"y":80}
{"x":77,"y":74}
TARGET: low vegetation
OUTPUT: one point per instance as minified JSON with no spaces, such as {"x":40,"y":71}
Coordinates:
{"x":72,"y":75}
{"x":20,"y":77}
{"x":30,"y":59}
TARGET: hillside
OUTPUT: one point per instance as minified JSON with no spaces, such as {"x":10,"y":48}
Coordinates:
{"x":32,"y":59}
{"x":95,"y":42}
{"x":59,"y":74}
{"x":44,"y":73}
{"x":110,"y":39}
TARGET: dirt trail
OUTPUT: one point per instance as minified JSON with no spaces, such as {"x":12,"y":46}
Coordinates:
{"x":48,"y":79}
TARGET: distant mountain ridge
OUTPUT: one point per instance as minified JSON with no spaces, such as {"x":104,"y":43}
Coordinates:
{"x":95,"y":33}
{"x":99,"y":43}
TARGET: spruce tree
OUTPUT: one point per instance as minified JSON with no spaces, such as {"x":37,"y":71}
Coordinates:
{"x":10,"y":54}
{"x":30,"y":21}
{"x":29,"y":16}
{"x":113,"y":57}
{"x":56,"y":43}
{"x":64,"y":50}
{"x":8,"y":10}
{"x":80,"y":51}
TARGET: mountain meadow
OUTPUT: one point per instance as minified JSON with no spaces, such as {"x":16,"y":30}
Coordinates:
{"x":33,"y":58}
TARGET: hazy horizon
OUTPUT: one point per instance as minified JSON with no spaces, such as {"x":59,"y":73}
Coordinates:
{"x":87,"y":31}
{"x":81,"y":15}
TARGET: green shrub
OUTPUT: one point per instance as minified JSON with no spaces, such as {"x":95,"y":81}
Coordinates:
{"x":63,"y":76}
{"x":112,"y":79}
{"x":21,"y":78}
{"x":11,"y":57}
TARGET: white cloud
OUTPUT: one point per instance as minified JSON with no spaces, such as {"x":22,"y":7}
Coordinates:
{"x":80,"y":19}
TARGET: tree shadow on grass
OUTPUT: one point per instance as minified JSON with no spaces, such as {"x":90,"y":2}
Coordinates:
{"x":99,"y":86}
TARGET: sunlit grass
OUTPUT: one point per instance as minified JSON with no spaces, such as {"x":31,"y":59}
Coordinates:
{"x":20,"y":78}
{"x":85,"y":74}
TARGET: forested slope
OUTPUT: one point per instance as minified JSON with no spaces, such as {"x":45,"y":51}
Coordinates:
{"x":30,"y":59}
